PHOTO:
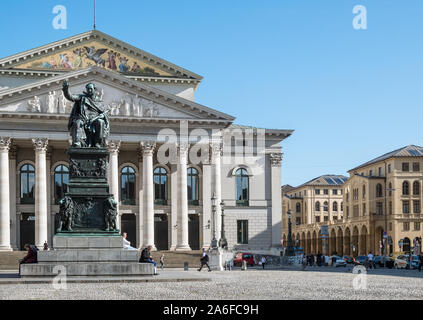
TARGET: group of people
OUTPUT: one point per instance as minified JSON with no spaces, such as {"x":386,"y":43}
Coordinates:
{"x":319,"y":260}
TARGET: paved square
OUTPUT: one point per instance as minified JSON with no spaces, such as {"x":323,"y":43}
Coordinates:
{"x":314,"y":283}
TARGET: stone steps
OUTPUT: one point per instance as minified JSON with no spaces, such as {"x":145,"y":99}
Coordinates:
{"x":173,"y":259}
{"x":9,"y":260}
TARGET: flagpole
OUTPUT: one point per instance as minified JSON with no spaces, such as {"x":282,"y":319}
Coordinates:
{"x":94,"y":14}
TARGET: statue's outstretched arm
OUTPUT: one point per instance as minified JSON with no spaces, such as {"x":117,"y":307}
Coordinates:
{"x":67,"y":94}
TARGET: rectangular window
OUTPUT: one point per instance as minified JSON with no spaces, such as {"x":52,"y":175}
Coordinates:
{"x":317,"y":219}
{"x":406,"y":206}
{"x":325,"y":191}
{"x":297,"y":221}
{"x":405,"y":166}
{"x":242,"y":231}
{"x":389,"y":168}
{"x":416,"y":206}
{"x":390,"y":226}
{"x":380,"y":171}
{"x":370,"y":173}
{"x":390,"y":207}
{"x":379,"y":208}
{"x":416,"y":226}
{"x":335,"y":218}
{"x":335,"y":191}
{"x":416,"y":166}
{"x":325,"y":218}
{"x":355,"y":211}
{"x":364,"y":209}
{"x":348,"y":212}
{"x":317,"y":191}
{"x":406,"y":226}
{"x":305,"y":192}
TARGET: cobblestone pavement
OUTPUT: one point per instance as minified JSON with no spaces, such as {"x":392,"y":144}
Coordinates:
{"x":313,"y":283}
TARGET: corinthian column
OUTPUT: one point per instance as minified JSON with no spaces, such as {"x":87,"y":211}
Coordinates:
{"x":4,"y":195}
{"x":113,"y":147}
{"x":216,"y":155}
{"x":41,"y":216}
{"x":183,"y":244}
{"x":147,"y":148}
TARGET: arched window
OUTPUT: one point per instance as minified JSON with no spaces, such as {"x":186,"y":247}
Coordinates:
{"x":242,"y":187}
{"x":335,"y":206}
{"x":379,"y":192}
{"x":298,"y":207}
{"x":325,"y":206}
{"x":405,"y":188}
{"x":127,"y":185}
{"x":317,"y":206}
{"x":27,"y":183}
{"x":193,"y":186}
{"x":416,"y":188}
{"x":160,"y":186}
{"x":61,"y":181}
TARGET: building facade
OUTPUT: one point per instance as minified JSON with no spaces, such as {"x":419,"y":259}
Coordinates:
{"x":382,"y":201}
{"x":168,"y":155}
{"x":314,"y":203}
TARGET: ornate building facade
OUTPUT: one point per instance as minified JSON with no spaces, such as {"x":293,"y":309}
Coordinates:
{"x":168,"y":155}
{"x":382,"y":205}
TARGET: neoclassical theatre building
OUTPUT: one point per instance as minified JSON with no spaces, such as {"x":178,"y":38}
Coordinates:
{"x":167,"y":203}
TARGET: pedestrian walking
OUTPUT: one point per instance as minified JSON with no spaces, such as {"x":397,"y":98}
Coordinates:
{"x":370,"y":259}
{"x":204,"y":261}
{"x":162,"y":262}
{"x":304,"y":262}
{"x":263,"y":261}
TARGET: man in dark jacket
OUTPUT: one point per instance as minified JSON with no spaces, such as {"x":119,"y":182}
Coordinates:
{"x":204,"y":261}
{"x":31,"y":256}
{"x":146,"y":257}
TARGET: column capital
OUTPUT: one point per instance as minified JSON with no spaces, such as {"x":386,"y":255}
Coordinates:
{"x":5,"y":143}
{"x":147,"y":147}
{"x":216,"y":149}
{"x":40,"y":144}
{"x":13,"y":152}
{"x":113,"y":146}
{"x":183,"y":147}
{"x":275,"y":159}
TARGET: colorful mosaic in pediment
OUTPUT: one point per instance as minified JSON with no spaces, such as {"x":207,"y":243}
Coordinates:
{"x":93,"y":54}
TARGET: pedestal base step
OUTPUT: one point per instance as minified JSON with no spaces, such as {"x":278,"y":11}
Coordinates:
{"x":72,"y":269}
{"x":88,"y":255}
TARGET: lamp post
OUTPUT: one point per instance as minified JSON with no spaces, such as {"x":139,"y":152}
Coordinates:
{"x":214,"y":240}
{"x":223,"y":243}
{"x":289,"y":249}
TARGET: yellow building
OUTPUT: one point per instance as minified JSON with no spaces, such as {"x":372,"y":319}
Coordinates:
{"x":314,"y":203}
{"x":382,"y":208}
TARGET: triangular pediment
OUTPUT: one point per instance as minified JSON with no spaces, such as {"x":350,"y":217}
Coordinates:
{"x":95,"y":48}
{"x":124,"y":97}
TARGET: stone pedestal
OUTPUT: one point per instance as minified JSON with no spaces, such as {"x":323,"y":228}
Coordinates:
{"x":87,"y":256}
{"x":218,"y":257}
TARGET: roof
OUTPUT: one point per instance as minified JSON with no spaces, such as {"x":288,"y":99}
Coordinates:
{"x":407,"y":151}
{"x":16,"y":60}
{"x":325,"y":180}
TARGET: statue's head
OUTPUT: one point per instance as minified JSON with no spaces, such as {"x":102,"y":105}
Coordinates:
{"x":91,"y":90}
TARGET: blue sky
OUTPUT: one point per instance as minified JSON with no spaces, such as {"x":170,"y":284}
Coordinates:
{"x":350,"y":95}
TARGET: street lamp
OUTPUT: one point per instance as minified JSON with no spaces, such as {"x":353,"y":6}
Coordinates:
{"x":223,"y":243}
{"x":214,"y":240}
{"x":289,"y":249}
